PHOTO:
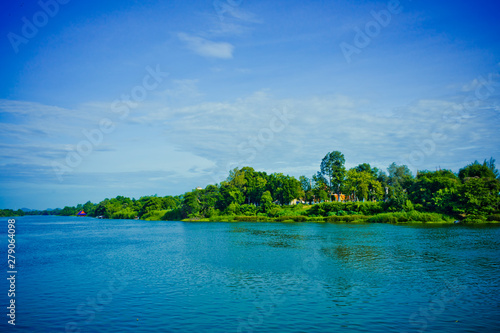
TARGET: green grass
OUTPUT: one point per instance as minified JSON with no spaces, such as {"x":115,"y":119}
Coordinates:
{"x":347,"y":218}
{"x":333,"y":214}
{"x":294,"y":218}
{"x":155,"y":215}
{"x":410,"y":217}
{"x":251,"y":219}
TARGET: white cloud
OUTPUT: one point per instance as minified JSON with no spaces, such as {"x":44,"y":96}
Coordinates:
{"x":232,"y":133}
{"x":187,"y":88}
{"x":213,"y":137}
{"x":207,"y":48}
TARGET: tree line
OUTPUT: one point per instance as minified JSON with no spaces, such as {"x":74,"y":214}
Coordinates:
{"x":472,"y":193}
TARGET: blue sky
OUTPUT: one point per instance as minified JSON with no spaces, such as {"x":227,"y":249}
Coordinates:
{"x":134,"y":98}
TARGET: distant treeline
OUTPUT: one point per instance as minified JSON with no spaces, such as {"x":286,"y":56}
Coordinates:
{"x":11,"y":213}
{"x":471,"y":195}
{"x":20,"y":212}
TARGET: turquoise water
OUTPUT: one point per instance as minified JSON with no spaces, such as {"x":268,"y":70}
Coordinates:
{"x":88,"y":275}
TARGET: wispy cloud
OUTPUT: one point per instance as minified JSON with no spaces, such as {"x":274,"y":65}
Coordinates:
{"x":218,"y":131}
{"x":207,"y":48}
{"x":187,"y":88}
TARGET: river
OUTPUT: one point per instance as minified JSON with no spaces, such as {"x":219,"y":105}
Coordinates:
{"x":89,"y":275}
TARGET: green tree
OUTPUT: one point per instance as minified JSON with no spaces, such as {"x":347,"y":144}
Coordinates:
{"x":266,"y":202}
{"x":11,"y":213}
{"x":305,"y":183}
{"x":229,"y":194}
{"x":480,"y":196}
{"x":366,"y":167}
{"x":447,"y":201}
{"x":332,"y":167}
{"x":400,"y":176}
{"x":248,"y":210}
{"x":152,"y":204}
{"x":100,"y":209}
{"x":170,"y":202}
{"x":363,"y":185}
{"x":89,"y":208}
{"x":431,"y":189}
{"x":233,"y":209}
{"x":485,"y":170}
{"x":284,"y":188}
{"x":237,"y":178}
{"x":491,"y":165}
{"x":323,"y":195}
{"x":255,"y":184}
{"x":68,"y":211}
{"x":190,"y":204}
{"x":209,"y":197}
{"x":399,"y":182}
{"x":306,"y":186}
{"x":320,"y":187}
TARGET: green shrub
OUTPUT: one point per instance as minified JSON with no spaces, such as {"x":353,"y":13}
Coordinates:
{"x":346,"y":218}
{"x":316,"y":219}
{"x":224,"y":218}
{"x":173,"y":215}
{"x":155,"y":215}
{"x":232,"y":209}
{"x":250,"y":219}
{"x":384,"y":218}
{"x":286,"y":212}
{"x":211,"y":212}
{"x":248,"y":210}
{"x":126,"y":213}
{"x":404,"y":217}
{"x":273,"y":212}
{"x":346,"y":208}
{"x":342,"y":213}
{"x":494,"y":217}
{"x":299,"y":218}
{"x":473,"y":219}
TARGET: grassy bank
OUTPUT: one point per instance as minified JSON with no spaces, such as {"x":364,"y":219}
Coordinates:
{"x":326,"y":212}
{"x":394,"y":218}
{"x":336,"y":212}
{"x":349,"y":212}
{"x":330,"y":212}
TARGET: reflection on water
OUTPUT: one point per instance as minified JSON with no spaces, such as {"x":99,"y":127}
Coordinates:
{"x":278,"y":238}
{"x":255,"y":277}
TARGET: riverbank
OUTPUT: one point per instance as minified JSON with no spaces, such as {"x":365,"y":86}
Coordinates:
{"x":392,"y":218}
{"x":320,"y":219}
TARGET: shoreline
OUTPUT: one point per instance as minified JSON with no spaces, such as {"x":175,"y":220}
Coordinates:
{"x":262,"y":219}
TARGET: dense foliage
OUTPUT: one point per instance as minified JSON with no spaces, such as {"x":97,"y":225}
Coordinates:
{"x":333,"y":194}
{"x":11,"y":213}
